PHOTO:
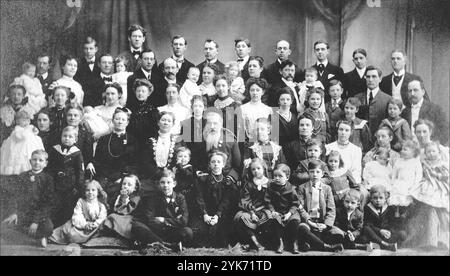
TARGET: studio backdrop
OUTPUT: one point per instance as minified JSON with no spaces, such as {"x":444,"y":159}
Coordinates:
{"x":419,"y":27}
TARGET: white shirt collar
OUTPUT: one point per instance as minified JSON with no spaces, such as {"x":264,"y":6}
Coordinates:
{"x":104,"y":75}
{"x":45,"y":75}
{"x":374,"y":92}
{"x":325,"y":63}
{"x":132,"y":49}
{"x":170,"y":81}
{"x":401,"y":73}
{"x":361,"y":72}
{"x":177,"y":58}
{"x":245,"y":59}
{"x":212,"y":61}
{"x":146,"y":73}
{"x":418,"y":105}
{"x":289,"y":83}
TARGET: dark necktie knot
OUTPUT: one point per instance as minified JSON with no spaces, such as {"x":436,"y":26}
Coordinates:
{"x":107,"y":79}
{"x":90,"y":62}
{"x":240,"y":60}
{"x":321,"y":67}
{"x":136,"y":52}
{"x":370,"y":97}
{"x":397,"y":79}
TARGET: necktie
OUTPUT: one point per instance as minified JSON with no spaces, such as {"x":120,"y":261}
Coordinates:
{"x":40,"y":78}
{"x":90,"y":62}
{"x":321,"y":68}
{"x":240,"y":60}
{"x":397,"y":79}
{"x":370,"y":97}
{"x":334,"y":105}
{"x":180,"y":62}
{"x":65,"y":149}
{"x":107,"y":79}
{"x":136,"y":52}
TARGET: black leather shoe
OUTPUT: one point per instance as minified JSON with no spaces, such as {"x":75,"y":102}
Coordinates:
{"x":389,"y":246}
{"x":334,"y":248}
{"x":305,"y":247}
{"x":295,"y":248}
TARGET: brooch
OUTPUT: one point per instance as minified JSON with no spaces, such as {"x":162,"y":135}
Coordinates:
{"x":32,"y":178}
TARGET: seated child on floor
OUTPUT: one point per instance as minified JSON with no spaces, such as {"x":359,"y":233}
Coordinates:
{"x":88,"y":215}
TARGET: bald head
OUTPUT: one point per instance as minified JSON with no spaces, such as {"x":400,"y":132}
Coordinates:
{"x":283,"y":50}
{"x":170,"y":68}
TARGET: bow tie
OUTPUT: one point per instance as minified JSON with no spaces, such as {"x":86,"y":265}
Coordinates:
{"x":119,"y":135}
{"x":65,"y":148}
{"x":240,"y":60}
{"x":397,"y":79}
{"x":136,"y":52}
{"x":321,"y":67}
{"x":90,"y":61}
{"x":108,"y":79}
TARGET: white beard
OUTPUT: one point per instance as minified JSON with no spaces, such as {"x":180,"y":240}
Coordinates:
{"x":211,"y":139}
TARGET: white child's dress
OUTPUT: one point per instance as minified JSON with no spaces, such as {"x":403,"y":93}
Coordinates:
{"x":96,"y":123}
{"x":406,"y":174}
{"x":17,"y":148}
{"x":187,"y":91}
{"x":33,"y":87}
{"x":121,"y":78}
{"x":237,"y":89}
{"x":74,"y":230}
{"x":376,"y":174}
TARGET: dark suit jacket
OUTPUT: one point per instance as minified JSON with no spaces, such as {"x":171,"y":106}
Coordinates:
{"x":132,"y":102}
{"x":386,"y":86}
{"x":219,"y":64}
{"x":182,"y":72}
{"x":325,"y":78}
{"x":244,"y":73}
{"x":377,"y":110}
{"x":273,"y":73}
{"x":353,"y":84}
{"x":89,"y":81}
{"x":434,"y":113}
{"x":327,"y":207}
{"x":354,"y":224}
{"x":46,"y":83}
{"x":175,"y":213}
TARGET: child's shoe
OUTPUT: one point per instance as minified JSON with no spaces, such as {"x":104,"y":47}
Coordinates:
{"x":295,"y":248}
{"x":280,"y":247}
{"x":334,"y":248}
{"x":366,"y":247}
{"x":305,"y":247}
{"x":389,"y":246}
{"x":44,"y":242}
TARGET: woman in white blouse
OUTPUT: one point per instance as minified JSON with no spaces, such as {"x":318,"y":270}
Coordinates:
{"x":69,"y":66}
{"x":255,"y":108}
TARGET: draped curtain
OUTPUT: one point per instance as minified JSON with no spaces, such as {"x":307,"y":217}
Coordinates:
{"x":420,"y":27}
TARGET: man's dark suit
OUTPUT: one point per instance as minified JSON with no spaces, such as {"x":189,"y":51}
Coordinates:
{"x":273,"y":76}
{"x":89,"y":82}
{"x":377,"y":110}
{"x":244,"y":73}
{"x":219,"y":65}
{"x":353,"y":84}
{"x":386,"y":86}
{"x":132,"y":102}
{"x":434,"y":113}
{"x":326,"y":77}
{"x":182,"y":72}
{"x":45,"y":83}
